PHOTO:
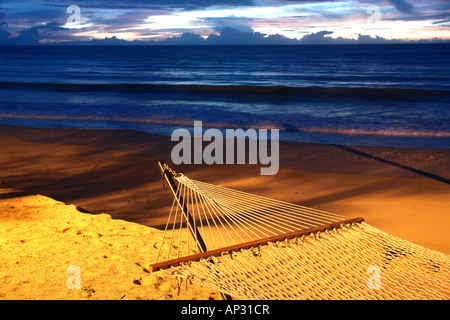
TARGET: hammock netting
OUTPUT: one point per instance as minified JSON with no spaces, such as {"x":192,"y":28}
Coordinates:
{"x":353,"y":260}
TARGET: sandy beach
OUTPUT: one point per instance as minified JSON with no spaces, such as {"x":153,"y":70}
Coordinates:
{"x":93,"y":198}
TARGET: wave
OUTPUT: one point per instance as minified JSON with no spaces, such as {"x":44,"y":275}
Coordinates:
{"x":390,"y":132}
{"x":239,"y":90}
{"x":379,"y":132}
{"x":161,"y":121}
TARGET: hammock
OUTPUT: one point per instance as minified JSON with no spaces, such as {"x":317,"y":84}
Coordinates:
{"x":253,"y":247}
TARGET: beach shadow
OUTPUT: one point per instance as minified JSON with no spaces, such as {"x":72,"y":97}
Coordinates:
{"x":345,"y":194}
{"x":394,"y":164}
{"x":14,"y":194}
{"x":101,"y":181}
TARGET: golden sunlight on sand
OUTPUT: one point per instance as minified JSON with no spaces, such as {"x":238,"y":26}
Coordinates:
{"x":40,"y":238}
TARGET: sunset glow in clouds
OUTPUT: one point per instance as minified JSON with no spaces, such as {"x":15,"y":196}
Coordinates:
{"x":28,"y":22}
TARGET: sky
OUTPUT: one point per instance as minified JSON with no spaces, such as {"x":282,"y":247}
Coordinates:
{"x":223,"y":21}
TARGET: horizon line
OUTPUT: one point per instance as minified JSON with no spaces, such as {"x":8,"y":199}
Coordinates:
{"x":153,"y":44}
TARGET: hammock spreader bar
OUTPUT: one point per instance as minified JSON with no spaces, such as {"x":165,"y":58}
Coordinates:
{"x":251,"y":244}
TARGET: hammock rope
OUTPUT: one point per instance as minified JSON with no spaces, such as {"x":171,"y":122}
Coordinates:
{"x":261,"y":248}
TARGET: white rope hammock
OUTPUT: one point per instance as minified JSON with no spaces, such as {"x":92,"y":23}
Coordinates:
{"x":253,"y":247}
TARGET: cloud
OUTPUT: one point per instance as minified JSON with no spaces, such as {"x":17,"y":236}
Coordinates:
{"x":442,"y":22}
{"x":4,"y":34}
{"x":40,"y":14}
{"x":196,"y":22}
{"x":317,"y":38}
{"x":240,"y":24}
{"x":3,"y":23}
{"x":246,"y":36}
{"x":27,"y":37}
{"x":227,"y":36}
{"x":154,"y":4}
{"x":402,"y":6}
{"x":320,"y":38}
{"x":186,"y":38}
{"x":230,"y":36}
{"x":124,"y":19}
{"x":33,"y":35}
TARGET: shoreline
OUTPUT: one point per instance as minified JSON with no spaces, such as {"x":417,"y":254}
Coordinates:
{"x":293,"y":154}
{"x":378,"y":138}
{"x":402,"y":191}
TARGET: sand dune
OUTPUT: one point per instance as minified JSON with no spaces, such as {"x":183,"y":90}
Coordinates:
{"x":41,"y":238}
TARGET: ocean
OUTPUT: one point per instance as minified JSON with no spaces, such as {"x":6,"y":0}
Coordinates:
{"x":378,"y":95}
